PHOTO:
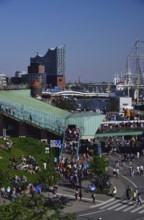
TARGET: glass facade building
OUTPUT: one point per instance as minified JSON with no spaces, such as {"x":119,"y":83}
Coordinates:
{"x":53,"y":61}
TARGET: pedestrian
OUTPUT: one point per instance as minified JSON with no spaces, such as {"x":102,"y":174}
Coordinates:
{"x":114,"y":191}
{"x":76,"y":194}
{"x":131,"y":171}
{"x":128,"y":193}
{"x":134,"y":196}
{"x":3,"y":192}
{"x":138,"y":170}
{"x":80,"y":195}
{"x":141,"y":170}
{"x":114,"y":173}
{"x":93,"y":196}
{"x":8,"y":191}
{"x":138,"y":155}
{"x":139,"y":202}
{"x":117,"y":173}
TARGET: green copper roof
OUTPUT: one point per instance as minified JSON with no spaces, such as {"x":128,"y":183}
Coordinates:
{"x":22,"y":106}
{"x":22,"y":97}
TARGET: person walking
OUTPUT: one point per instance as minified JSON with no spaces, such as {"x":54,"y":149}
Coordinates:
{"x":76,"y":194}
{"x":134,"y":197}
{"x":139,"y":200}
{"x":128,"y":193}
{"x":93,"y":196}
{"x":80,"y":195}
{"x":114,"y":191}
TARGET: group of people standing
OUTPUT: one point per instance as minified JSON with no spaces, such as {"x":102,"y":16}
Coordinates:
{"x":80,"y":195}
{"x":134,"y":196}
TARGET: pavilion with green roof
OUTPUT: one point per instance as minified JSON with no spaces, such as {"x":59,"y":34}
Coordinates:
{"x":21,"y":105}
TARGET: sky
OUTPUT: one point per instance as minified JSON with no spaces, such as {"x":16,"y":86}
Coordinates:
{"x":97,"y":35}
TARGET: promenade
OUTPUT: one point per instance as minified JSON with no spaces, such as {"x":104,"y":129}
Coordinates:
{"x":77,"y":206}
{"x":87,"y":203}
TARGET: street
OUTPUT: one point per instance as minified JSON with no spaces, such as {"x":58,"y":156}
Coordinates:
{"x":119,"y":208}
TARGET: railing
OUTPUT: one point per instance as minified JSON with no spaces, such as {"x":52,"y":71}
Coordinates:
{"x":33,"y":116}
{"x":119,"y":129}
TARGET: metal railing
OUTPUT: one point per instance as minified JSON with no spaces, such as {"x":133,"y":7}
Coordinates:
{"x":33,"y":116}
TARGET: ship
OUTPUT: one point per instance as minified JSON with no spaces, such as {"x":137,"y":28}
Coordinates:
{"x":131,"y":82}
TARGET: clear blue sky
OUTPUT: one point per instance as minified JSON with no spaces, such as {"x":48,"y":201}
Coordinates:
{"x":97,"y":34}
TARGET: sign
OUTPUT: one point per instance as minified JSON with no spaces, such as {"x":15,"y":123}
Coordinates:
{"x":55,"y":143}
{"x":99,"y":151}
{"x":46,"y":150}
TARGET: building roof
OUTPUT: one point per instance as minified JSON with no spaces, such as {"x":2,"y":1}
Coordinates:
{"x":48,"y":116}
{"x":35,"y":84}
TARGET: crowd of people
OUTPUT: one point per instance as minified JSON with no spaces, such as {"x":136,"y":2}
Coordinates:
{"x":134,"y":196}
{"x":28,"y":164}
{"x":7,"y":144}
{"x":72,"y":140}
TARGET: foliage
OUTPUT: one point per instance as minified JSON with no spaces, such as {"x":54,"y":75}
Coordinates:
{"x":26,"y":207}
{"x":58,"y":216}
{"x":64,"y":103}
{"x":48,"y":177}
{"x":98,"y":165}
{"x":113,"y":105}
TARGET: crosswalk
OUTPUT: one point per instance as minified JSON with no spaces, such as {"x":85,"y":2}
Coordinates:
{"x":122,"y":205}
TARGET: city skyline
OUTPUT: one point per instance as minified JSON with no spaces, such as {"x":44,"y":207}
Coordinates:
{"x":97,"y":35}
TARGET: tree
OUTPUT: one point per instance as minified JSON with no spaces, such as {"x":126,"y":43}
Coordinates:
{"x":26,"y":207}
{"x":98,"y":166}
{"x":49,"y":176}
{"x":64,"y":103}
{"x":113,"y":105}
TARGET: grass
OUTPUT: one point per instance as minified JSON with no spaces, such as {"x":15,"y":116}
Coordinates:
{"x":25,"y":146}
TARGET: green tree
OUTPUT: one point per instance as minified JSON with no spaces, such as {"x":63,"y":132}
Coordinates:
{"x":34,"y":208}
{"x":64,"y":103}
{"x":98,"y":165}
{"x":113,"y":105}
{"x":49,"y":176}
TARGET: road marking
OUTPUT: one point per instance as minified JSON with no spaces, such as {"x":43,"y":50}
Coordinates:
{"x":84,"y":199}
{"x":121,"y":207}
{"x":137,"y":209}
{"x":103,"y":203}
{"x":129,"y":208}
{"x":114,"y":206}
{"x":107,"y":205}
{"x":141,"y":211}
{"x":129,"y":181}
{"x":91,"y":213}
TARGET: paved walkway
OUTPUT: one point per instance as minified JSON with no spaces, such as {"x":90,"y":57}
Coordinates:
{"x":87,"y":202}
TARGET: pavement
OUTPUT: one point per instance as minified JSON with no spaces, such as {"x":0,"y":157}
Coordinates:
{"x":65,"y":189}
{"x":77,"y":206}
{"x":87,"y":203}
